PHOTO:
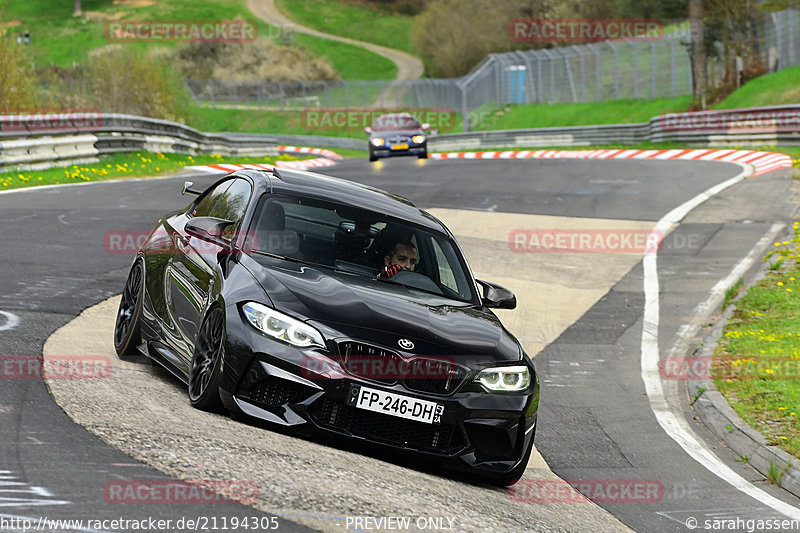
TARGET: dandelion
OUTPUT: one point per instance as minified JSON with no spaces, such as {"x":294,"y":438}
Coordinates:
{"x":780,"y":284}
{"x":782,"y":408}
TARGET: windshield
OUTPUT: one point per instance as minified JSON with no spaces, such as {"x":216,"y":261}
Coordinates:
{"x":396,"y":122}
{"x":360,"y":242}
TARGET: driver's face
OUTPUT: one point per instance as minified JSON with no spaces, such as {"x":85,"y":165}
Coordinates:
{"x":405,"y":256}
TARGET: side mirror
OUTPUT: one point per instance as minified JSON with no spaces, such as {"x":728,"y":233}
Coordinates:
{"x":209,"y":229}
{"x":368,"y":129}
{"x":496,"y":296}
{"x":187,"y":188}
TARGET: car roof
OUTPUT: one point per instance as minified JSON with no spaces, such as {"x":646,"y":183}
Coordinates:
{"x":341,"y":191}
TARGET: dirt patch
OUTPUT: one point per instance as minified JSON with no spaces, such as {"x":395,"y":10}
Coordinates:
{"x":134,"y":3}
{"x":98,"y":16}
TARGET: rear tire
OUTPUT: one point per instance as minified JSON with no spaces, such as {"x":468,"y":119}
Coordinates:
{"x":205,"y":373}
{"x":127,"y":333}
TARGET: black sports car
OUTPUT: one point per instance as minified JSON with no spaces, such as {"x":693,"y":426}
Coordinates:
{"x":397,"y":134}
{"x":269,"y":295}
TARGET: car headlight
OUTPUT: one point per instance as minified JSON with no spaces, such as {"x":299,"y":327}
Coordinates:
{"x":282,"y":327}
{"x":377,"y":141}
{"x":505,"y":378}
{"x":419,"y":139}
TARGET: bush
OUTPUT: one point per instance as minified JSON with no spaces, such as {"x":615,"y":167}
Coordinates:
{"x":18,"y":90}
{"x":124,"y":80}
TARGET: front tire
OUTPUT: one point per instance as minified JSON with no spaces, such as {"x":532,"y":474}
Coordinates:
{"x":205,"y":373}
{"x":127,"y":334}
{"x":424,"y":155}
{"x":372,"y":157}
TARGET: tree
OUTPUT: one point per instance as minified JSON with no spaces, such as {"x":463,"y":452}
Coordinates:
{"x":699,"y":75}
{"x":77,"y":11}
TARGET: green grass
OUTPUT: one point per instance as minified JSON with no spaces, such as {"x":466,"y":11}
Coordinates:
{"x":276,"y":122}
{"x":773,"y":89}
{"x":360,"y":22}
{"x":757,"y":363}
{"x":258,"y":121}
{"x":129,"y":165}
{"x":583,"y":114}
{"x":61,"y":39}
{"x":351,"y":62}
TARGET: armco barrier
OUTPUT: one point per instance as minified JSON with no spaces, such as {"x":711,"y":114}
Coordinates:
{"x":42,"y":141}
{"x":754,"y":126}
{"x":33,"y":142}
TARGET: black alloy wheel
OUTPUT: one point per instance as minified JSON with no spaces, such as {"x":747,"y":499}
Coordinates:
{"x":206,"y":370}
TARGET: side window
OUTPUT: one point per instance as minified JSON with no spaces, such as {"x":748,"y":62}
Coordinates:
{"x":446,"y":277}
{"x":232,"y":205}
{"x":206,"y":203}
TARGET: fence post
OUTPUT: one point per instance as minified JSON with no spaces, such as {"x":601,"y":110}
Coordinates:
{"x":283,"y":99}
{"x":539,"y":95}
{"x":213,"y":97}
{"x":464,"y":113}
{"x":653,"y":89}
{"x":581,"y":66}
{"x":672,"y":66}
{"x":635,"y":69}
{"x":616,"y":69}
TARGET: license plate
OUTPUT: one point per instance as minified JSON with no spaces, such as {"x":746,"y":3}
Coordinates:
{"x":400,"y":147}
{"x":398,"y":405}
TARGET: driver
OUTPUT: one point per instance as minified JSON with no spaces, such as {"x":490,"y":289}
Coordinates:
{"x":403,"y":256}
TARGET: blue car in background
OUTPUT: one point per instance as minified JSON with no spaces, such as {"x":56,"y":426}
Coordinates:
{"x":396,"y":134}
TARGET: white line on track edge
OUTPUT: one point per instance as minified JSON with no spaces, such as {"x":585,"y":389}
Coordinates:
{"x":11,"y":321}
{"x":672,"y":423}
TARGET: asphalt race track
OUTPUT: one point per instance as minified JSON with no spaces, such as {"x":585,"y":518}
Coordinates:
{"x":595,"y":419}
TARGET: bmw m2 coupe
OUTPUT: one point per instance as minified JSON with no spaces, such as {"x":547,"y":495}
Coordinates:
{"x":327,"y":306}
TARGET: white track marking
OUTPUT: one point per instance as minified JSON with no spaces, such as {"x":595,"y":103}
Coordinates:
{"x":10,"y":322}
{"x":672,"y":423}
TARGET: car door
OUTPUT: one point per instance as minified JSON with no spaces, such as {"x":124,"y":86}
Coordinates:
{"x":193,"y":272}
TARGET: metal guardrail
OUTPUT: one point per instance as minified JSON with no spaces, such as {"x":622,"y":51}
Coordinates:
{"x":42,"y":141}
{"x":762,"y":125}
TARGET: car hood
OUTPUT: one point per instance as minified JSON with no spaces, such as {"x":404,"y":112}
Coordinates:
{"x":348,"y":306}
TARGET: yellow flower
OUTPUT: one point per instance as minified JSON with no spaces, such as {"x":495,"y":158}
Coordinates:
{"x":788,"y":290}
{"x":780,"y":284}
{"x":781,"y":408}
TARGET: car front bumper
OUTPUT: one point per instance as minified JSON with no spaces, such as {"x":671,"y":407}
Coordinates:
{"x":272,"y":381}
{"x":389,"y":151}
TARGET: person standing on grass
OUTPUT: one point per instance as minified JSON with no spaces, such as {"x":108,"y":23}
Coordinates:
{"x":19,"y":38}
{"x":27,"y":37}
